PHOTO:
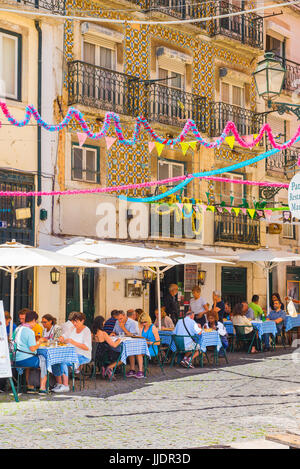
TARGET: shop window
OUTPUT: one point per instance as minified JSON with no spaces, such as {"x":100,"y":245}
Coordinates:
{"x":85,"y":163}
{"x":10,"y":65}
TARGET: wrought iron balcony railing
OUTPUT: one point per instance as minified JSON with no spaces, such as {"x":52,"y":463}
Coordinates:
{"x":56,"y":6}
{"x":245,"y":28}
{"x":240,"y":229}
{"x":246,"y":121}
{"x":284,"y":163}
{"x":173,"y":106}
{"x":102,"y":88}
{"x":292,"y":77}
{"x":181,"y":9}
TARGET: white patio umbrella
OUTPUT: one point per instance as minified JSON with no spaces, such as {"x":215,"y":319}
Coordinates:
{"x":15,"y":257}
{"x":270,"y":259}
{"x":154,"y":265}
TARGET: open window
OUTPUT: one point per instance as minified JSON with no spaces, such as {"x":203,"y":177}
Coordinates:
{"x":10,"y":64}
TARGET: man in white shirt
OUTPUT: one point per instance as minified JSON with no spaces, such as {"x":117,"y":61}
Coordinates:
{"x":188,"y":327}
{"x":199,"y":306}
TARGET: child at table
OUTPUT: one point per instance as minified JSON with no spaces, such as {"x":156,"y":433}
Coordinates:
{"x":215,"y":325}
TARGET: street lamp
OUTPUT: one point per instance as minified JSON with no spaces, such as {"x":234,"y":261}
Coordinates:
{"x":269,"y":79}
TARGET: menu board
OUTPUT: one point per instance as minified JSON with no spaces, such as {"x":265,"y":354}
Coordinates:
{"x":5,"y":366}
{"x":190,"y":276}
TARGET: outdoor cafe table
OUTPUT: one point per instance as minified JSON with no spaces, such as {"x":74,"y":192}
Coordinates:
{"x":132,"y":346}
{"x":206,"y":339}
{"x":290,"y":322}
{"x":56,"y":355}
{"x":267,"y":327}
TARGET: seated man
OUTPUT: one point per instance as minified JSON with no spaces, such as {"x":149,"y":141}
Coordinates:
{"x":188,"y":327}
{"x":257,"y":310}
{"x":248,"y":312}
{"x":277,"y":315}
{"x":128,"y":327}
{"x":111,"y":322}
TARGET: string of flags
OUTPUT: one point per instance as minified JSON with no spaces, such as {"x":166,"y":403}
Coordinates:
{"x":185,"y":146}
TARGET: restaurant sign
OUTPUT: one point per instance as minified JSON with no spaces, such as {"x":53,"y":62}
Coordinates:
{"x":5,"y":366}
{"x":294,"y":196}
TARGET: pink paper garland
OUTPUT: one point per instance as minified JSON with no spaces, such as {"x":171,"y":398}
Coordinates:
{"x":111,"y":117}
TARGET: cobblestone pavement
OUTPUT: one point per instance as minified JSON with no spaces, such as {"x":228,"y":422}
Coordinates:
{"x":183,"y":409}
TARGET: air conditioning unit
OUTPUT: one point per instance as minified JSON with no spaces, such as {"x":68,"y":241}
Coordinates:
{"x":275,"y":228}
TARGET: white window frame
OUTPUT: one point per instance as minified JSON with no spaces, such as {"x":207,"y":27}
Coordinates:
{"x":170,"y":164}
{"x":231,"y":85}
{"x":84,"y":171}
{"x":14,"y":96}
{"x":287,"y":234}
{"x":231,"y":185}
{"x":97,"y":52}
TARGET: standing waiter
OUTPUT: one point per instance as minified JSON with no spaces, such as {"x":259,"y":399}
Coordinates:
{"x":171,"y":303}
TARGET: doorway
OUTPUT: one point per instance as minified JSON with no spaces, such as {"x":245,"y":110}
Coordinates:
{"x":72,"y":294}
{"x":234,"y":284}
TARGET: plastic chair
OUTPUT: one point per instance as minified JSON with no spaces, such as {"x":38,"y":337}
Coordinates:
{"x":180,"y":348}
{"x":241,"y":337}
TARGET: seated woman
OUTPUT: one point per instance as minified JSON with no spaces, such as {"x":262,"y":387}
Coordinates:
{"x":106,"y":347}
{"x":150,"y":332}
{"x":26,"y":347}
{"x":51,"y":330}
{"x":239,"y":319}
{"x":80,"y":337}
{"x":166,"y":321}
{"x":213,"y":323}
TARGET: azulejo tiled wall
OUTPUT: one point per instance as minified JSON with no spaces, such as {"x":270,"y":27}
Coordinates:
{"x":129,"y":165}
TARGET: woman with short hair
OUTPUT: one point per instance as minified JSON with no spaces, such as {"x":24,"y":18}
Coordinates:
{"x":51,"y":330}
{"x":80,"y":337}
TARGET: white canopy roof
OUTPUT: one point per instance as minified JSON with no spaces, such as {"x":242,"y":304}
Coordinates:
{"x":268,"y":255}
{"x":14,"y":254}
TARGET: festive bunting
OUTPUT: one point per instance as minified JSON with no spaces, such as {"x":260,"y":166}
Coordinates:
{"x":151,"y":145}
{"x":193,"y":145}
{"x":236,"y":210}
{"x":251,"y":212}
{"x":159,"y":148}
{"x":81,"y":138}
{"x":113,"y":118}
{"x":268,"y":214}
{"x":230,"y":141}
{"x":109,"y":142}
{"x":184,"y":147}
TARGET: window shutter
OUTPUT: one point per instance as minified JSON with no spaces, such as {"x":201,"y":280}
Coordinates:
{"x":172,"y":65}
{"x":225,"y":93}
{"x":99,"y":41}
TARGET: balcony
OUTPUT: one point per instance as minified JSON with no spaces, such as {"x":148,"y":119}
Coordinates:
{"x":180,"y":9}
{"x":246,"y":121}
{"x":173,"y":106}
{"x":102,"y":88}
{"x":238,"y":230}
{"x":248,"y":29}
{"x":292,"y":77}
{"x":56,"y":6}
{"x":283,"y":164}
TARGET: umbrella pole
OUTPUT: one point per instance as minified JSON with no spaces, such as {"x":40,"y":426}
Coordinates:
{"x":12,"y":299}
{"x":268,"y":290}
{"x":158,"y":296}
{"x":80,"y":273}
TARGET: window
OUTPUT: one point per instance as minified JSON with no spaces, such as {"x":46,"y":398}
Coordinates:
{"x":275,"y":45}
{"x":85,"y":163}
{"x":177,"y":80}
{"x":232,"y":190}
{"x":169,"y":169}
{"x":232,"y":94}
{"x":10,"y":65}
{"x":98,"y":55}
{"x":288,"y":231}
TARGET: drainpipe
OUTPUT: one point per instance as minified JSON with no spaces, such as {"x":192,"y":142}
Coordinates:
{"x":39,"y":102}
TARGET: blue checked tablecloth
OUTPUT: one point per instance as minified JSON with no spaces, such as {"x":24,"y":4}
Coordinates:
{"x":229,"y":327}
{"x":54,"y":355}
{"x":206,"y":339}
{"x":290,"y":322}
{"x":267,"y":327}
{"x":134,"y":347}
